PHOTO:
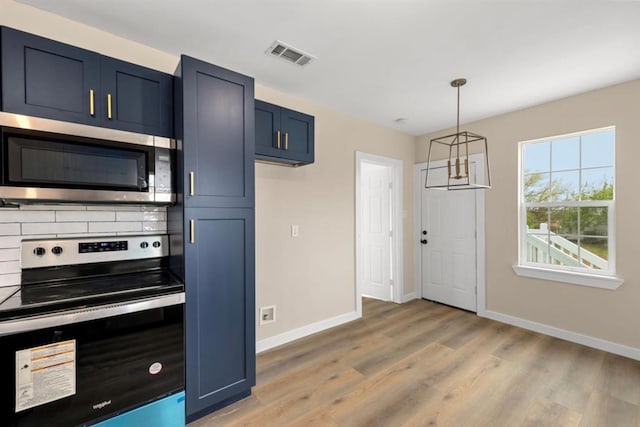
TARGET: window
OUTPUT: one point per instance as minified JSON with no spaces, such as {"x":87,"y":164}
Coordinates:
{"x":567,"y":188}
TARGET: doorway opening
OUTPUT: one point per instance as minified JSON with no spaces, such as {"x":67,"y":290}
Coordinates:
{"x":378,"y":229}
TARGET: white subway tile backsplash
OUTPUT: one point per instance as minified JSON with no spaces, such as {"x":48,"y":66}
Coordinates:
{"x":155,"y":226}
{"x":154,"y":209}
{"x":129,"y":216}
{"x":10,"y":254}
{"x":10,"y":242}
{"x":54,"y":227}
{"x":77,"y":216}
{"x":114,"y":208}
{"x":53,"y":207}
{"x":154,"y":216}
{"x":16,"y":215}
{"x":9,"y":267}
{"x":10,"y":279}
{"x":114,"y":227}
{"x":10,"y":229}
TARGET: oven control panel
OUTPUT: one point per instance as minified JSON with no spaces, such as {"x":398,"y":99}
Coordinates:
{"x":58,"y":252}
{"x":119,"y":245}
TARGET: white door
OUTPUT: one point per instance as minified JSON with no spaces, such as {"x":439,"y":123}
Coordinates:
{"x":449,"y":245}
{"x":376,"y":231}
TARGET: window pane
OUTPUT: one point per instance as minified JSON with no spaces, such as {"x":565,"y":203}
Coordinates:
{"x":536,"y":157}
{"x":595,"y":252}
{"x":537,"y":220}
{"x":564,"y":186}
{"x":565,"y":154}
{"x":594,"y":221}
{"x":537,"y":248}
{"x":597,"y":149}
{"x":564,"y":220}
{"x":564,"y":251}
{"x":536,"y":187}
{"x":597,"y":184}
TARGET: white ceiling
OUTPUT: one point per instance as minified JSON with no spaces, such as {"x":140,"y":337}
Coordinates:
{"x":386,"y":59}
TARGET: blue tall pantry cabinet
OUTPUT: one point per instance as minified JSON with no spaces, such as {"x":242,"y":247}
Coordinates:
{"x":212,"y":232}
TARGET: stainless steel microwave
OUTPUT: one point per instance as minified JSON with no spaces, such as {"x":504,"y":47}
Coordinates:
{"x":45,"y":161}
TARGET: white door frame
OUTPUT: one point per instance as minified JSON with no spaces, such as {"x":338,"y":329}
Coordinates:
{"x":396,"y":238}
{"x":480,"y":232}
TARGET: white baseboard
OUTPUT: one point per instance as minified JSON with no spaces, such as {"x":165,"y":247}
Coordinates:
{"x":409,"y":297}
{"x":600,"y":344}
{"x":294,"y":334}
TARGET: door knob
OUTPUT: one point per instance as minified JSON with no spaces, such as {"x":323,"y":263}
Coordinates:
{"x":424,"y":241}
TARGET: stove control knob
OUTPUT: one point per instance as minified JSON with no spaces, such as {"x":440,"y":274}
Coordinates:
{"x":156,"y":244}
{"x":144,"y":245}
{"x":57,"y":250}
{"x":39,"y":251}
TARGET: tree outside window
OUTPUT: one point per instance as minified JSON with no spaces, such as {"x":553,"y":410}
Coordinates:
{"x":567,"y":200}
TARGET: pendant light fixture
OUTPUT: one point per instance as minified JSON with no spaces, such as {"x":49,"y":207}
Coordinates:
{"x":461,"y":173}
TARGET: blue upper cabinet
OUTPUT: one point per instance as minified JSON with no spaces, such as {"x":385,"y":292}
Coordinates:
{"x":215,"y":117}
{"x":136,"y":98}
{"x":45,"y":78}
{"x":284,"y":135}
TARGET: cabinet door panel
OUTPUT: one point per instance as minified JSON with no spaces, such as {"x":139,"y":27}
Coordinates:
{"x":267,"y":126}
{"x":44,"y":78}
{"x":299,"y":128}
{"x":220,"y":324}
{"x":218,"y":135}
{"x":142,"y":98}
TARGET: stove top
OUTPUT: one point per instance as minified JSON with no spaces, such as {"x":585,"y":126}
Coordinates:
{"x":88,"y":273}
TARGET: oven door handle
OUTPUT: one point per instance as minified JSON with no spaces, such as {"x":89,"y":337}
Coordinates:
{"x":26,"y":324}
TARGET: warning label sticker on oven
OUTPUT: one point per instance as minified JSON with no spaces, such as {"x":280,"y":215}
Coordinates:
{"x":45,"y":374}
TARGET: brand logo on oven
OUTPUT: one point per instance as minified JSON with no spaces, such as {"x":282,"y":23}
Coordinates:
{"x":102,"y":404}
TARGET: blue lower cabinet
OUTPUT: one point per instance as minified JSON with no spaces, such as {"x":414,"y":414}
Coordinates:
{"x":166,"y":412}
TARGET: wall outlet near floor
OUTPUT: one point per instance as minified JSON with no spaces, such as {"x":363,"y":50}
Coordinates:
{"x":295,"y":230}
{"x":267,"y":314}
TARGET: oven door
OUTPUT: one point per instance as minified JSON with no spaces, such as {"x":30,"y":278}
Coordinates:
{"x":81,"y":373}
{"x":43,"y":166}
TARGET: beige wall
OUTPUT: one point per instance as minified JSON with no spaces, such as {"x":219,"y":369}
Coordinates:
{"x":310,"y":278}
{"x":42,"y":23}
{"x":605,"y":314}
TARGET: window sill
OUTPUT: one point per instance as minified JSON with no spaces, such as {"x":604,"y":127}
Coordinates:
{"x":592,"y":280}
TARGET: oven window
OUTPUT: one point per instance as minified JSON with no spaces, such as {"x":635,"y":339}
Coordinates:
{"x":71,"y":165}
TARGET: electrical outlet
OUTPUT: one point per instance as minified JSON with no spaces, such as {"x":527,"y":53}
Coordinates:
{"x":295,"y":230}
{"x":267,"y":314}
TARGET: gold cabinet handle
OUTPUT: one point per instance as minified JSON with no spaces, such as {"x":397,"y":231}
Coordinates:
{"x":192,"y":231}
{"x":278,"y":140}
{"x":286,"y":141}
{"x":109,"y":112}
{"x":92,"y":102}
{"x":192,"y":183}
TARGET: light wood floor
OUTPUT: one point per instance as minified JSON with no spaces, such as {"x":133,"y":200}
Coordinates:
{"x":425,"y":364}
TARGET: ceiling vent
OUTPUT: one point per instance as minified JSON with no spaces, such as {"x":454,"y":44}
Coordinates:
{"x":290,"y":54}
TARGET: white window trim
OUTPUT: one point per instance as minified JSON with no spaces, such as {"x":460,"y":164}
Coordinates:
{"x":565,"y":274}
{"x":592,"y":280}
